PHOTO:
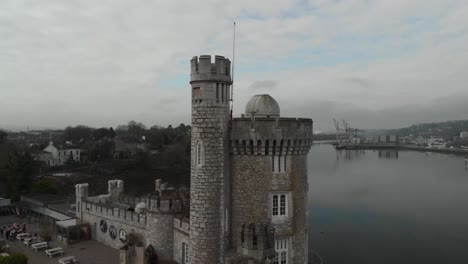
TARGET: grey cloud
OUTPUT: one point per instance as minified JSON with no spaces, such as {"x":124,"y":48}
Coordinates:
{"x":266,"y":85}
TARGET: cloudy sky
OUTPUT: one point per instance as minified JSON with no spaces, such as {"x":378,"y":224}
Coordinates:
{"x":376,"y":64}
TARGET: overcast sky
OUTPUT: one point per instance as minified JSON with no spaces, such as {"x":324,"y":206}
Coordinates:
{"x":376,"y":64}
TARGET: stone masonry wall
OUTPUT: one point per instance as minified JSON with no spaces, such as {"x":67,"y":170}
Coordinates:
{"x":300,"y":188}
{"x":251,"y":181}
{"x":209,"y":125}
{"x":160,"y":234}
{"x":181,"y":235}
{"x":94,"y":218}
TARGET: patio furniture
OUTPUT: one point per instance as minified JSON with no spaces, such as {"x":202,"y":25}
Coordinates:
{"x":54,"y":251}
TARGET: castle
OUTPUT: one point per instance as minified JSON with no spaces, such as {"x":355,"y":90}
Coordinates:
{"x":248,"y":193}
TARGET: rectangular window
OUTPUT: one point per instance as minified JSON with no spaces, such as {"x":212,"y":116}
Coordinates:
{"x":185,"y":253}
{"x":273,"y":163}
{"x":196,"y":92}
{"x":226,"y":87}
{"x":279,"y":163}
{"x":284,"y":163}
{"x":217,"y":93}
{"x":275,"y":205}
{"x":222,"y":93}
{"x":282,"y":204}
{"x":281,"y":251}
{"x":279,"y":206}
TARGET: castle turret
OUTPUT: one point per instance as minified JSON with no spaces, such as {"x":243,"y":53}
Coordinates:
{"x":81,"y":193}
{"x":115,"y":189}
{"x":209,"y":192}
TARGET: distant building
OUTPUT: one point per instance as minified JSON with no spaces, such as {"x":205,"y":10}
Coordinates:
{"x":53,"y":156}
{"x":388,"y":139}
{"x":434,"y":142}
{"x":464,"y":135}
{"x":420,"y":140}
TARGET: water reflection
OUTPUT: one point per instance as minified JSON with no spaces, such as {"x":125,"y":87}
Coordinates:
{"x":388,"y":154}
{"x":388,"y":207}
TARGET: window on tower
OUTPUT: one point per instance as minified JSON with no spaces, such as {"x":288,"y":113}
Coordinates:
{"x":196,"y":92}
{"x":199,"y":154}
{"x":278,"y":164}
{"x":279,"y":206}
{"x":281,"y":251}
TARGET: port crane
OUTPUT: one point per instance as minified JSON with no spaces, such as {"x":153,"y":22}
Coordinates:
{"x":346,"y":133}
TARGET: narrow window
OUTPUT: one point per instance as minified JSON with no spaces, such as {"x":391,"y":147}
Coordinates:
{"x":226,"y":88}
{"x":199,"y":154}
{"x":279,"y":163}
{"x":217,"y":93}
{"x":273,"y":163}
{"x":251,"y":146}
{"x":222,"y":93}
{"x":275,"y":205}
{"x":282,"y":204}
{"x":227,"y":93}
{"x":284,"y":167}
{"x":185,"y":253}
{"x":267,"y":147}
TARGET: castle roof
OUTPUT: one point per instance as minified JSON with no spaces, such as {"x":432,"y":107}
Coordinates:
{"x":262,"y":105}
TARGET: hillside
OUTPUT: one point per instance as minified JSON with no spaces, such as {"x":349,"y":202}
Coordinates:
{"x":448,"y":129}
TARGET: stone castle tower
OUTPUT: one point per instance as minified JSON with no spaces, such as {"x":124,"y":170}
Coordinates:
{"x":248,"y":197}
{"x":209,"y":192}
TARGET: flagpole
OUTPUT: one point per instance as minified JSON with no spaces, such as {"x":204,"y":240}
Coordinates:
{"x":233,"y":63}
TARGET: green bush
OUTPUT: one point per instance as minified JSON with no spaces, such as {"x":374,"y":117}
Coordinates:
{"x":14,"y":259}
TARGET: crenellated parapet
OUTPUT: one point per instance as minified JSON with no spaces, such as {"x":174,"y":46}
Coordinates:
{"x":107,"y":211}
{"x":158,"y":204}
{"x":271,"y":136}
{"x":202,"y":69}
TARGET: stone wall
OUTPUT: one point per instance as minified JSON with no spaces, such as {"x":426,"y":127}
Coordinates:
{"x":160,"y":234}
{"x":120,"y":219}
{"x":251,"y":182}
{"x":252,"y":185}
{"x":300,"y":226}
{"x":181,"y":235}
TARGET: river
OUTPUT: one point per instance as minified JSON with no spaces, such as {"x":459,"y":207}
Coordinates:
{"x":371,"y":206}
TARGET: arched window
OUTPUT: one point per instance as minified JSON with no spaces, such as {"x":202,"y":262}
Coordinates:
{"x":199,"y":155}
{"x":251,"y":146}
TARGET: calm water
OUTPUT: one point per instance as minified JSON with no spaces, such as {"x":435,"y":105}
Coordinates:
{"x":387,"y":207}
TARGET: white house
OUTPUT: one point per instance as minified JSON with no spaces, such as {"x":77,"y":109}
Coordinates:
{"x":60,"y":156}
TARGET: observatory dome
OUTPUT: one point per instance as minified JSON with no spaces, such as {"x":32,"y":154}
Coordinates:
{"x":262,"y":105}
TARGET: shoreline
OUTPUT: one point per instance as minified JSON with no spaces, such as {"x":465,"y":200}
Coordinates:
{"x":398,"y":147}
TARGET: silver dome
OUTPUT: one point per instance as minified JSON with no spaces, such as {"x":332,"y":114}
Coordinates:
{"x":262,"y":105}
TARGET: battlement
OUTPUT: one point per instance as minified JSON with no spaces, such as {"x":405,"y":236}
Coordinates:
{"x":81,"y":191}
{"x":202,"y":69}
{"x":271,"y":136}
{"x":158,"y":204}
{"x":117,"y":214}
{"x":182,"y":224}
